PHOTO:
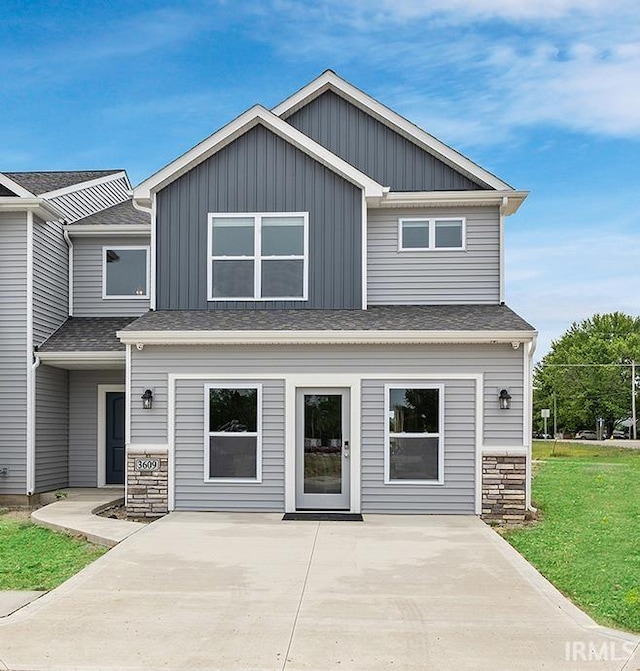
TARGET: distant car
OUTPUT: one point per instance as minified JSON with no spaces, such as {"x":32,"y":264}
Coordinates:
{"x":586,"y":435}
{"x":619,"y":435}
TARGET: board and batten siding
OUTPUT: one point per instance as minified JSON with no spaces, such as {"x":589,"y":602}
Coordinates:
{"x":259,"y":172}
{"x":13,"y":351}
{"x":457,"y":493}
{"x":50,"y":279}
{"x":87,"y":279}
{"x":83,"y":423}
{"x":374,"y":148}
{"x":498,"y":364}
{"x":437,"y":276}
{"x":52,"y":429}
{"x":191,"y":492}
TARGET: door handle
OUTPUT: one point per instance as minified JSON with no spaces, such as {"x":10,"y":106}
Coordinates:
{"x":346,"y":449}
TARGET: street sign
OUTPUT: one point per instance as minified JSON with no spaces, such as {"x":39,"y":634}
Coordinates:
{"x":545,"y":413}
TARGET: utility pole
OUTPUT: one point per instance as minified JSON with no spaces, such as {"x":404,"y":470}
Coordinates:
{"x":633,"y":397}
{"x":555,"y":416}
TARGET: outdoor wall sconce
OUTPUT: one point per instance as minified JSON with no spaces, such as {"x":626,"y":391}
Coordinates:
{"x":147,"y":399}
{"x":504,"y":399}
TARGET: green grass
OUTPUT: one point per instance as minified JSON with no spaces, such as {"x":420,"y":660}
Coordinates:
{"x":34,"y":558}
{"x":587,"y":542}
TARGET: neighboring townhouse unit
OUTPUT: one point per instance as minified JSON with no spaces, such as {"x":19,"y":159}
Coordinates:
{"x":303,"y":312}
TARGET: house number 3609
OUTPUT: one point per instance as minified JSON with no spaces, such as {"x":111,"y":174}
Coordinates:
{"x":147,"y":464}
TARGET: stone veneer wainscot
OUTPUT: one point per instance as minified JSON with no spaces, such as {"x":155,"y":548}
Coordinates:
{"x":504,"y":482}
{"x":147,"y":491}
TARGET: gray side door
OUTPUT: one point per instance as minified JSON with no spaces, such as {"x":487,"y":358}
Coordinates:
{"x":322,"y":449}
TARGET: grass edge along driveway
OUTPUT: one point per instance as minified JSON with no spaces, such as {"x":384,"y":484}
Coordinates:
{"x":587,"y":540}
{"x":35,"y":558}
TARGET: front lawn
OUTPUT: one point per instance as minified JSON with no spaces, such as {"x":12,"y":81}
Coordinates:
{"x":587,"y":541}
{"x":35,"y":558}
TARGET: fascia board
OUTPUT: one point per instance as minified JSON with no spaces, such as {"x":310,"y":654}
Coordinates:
{"x":321,"y":337}
{"x":15,"y":187}
{"x":236,"y":128}
{"x":329,"y":80}
{"x":509,"y":201}
{"x":88,"y":230}
{"x":85,"y":185}
{"x":81,"y":357}
{"x":41,"y":208}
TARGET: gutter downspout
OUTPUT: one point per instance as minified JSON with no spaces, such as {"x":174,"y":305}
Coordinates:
{"x":528,"y":424}
{"x":31,"y":365}
{"x":67,"y":239}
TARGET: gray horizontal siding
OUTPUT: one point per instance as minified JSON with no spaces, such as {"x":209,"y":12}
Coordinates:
{"x":50,"y":279}
{"x":434,"y":277}
{"x":259,"y":172}
{"x":87,"y":280}
{"x":191,"y":492}
{"x":457,"y":494}
{"x":373,"y":148}
{"x":83,"y":202}
{"x":499,"y":364}
{"x":83,"y":423}
{"x":52,"y":428}
{"x":13,"y":352}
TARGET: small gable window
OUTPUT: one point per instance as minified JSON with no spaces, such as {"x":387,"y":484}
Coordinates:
{"x":425,"y":234}
{"x":262,"y":256}
{"x":125,"y":272}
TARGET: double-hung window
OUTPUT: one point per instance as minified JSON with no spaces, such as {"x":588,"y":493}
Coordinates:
{"x":233,"y":450}
{"x":258,"y":256}
{"x":414,"y":449}
{"x":125,"y":272}
{"x":426,"y":234}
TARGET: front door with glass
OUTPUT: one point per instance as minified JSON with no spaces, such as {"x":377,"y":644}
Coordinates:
{"x":322,"y":449}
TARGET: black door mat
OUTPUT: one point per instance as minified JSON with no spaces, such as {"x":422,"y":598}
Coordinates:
{"x":322,"y":517}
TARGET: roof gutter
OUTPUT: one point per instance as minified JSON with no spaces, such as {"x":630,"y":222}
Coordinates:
{"x":38,"y":206}
{"x":87,"y":230}
{"x":265,"y":337}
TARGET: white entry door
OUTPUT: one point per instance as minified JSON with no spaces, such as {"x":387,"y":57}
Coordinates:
{"x":322,"y":449}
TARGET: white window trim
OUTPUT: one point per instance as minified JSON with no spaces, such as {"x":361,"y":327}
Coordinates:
{"x":410,"y":384}
{"x":257,"y":257}
{"x":108,"y":297}
{"x":432,"y":235}
{"x":257,"y":434}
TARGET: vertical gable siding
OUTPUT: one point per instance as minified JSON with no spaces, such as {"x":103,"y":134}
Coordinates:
{"x":87,"y":280}
{"x":433,"y":277}
{"x":52,"y":424}
{"x":13,"y":351}
{"x":374,"y":148}
{"x":50,"y":279}
{"x":259,"y":172}
{"x":92,"y":199}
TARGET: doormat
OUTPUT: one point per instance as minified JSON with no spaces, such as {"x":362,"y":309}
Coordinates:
{"x":322,"y":517}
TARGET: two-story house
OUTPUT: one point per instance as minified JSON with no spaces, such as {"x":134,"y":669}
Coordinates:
{"x":305,"y":311}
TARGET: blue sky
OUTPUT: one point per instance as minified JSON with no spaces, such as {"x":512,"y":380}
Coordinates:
{"x":546,"y":94}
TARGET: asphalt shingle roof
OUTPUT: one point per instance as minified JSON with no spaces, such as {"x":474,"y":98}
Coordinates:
{"x":388,"y":317}
{"x":43,"y":182}
{"x":87,"y":334}
{"x":122,"y":213}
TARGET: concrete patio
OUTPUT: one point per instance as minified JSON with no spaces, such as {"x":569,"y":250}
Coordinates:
{"x":248,"y":591}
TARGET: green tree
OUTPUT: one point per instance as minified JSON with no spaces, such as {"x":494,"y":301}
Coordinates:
{"x":585,"y":392}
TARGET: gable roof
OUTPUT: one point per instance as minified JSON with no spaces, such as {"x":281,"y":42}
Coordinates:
{"x":122,"y":213}
{"x":44,"y":182}
{"x":329,"y":80}
{"x":233,"y":130}
{"x":87,"y":334}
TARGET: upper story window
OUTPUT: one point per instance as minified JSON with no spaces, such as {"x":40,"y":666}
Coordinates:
{"x":125,"y":272}
{"x":261,"y":256}
{"x":426,"y":234}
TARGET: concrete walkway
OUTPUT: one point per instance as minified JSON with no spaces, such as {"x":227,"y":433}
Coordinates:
{"x":75,"y":515}
{"x":231,"y":592}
